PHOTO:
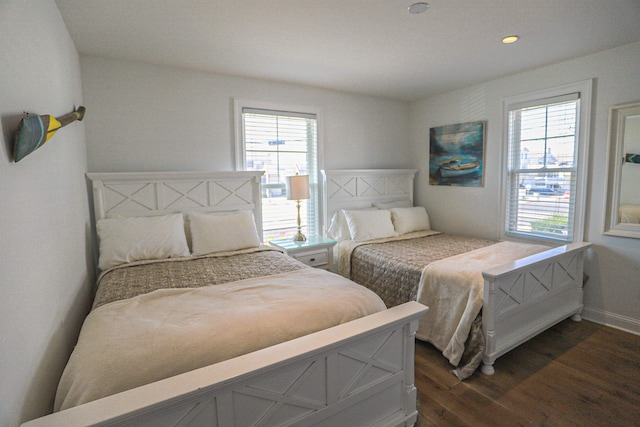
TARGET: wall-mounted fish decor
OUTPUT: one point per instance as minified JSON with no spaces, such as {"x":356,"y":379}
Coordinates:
{"x":34,"y":131}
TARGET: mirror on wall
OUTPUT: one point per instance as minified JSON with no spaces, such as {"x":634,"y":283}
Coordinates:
{"x":623,"y":192}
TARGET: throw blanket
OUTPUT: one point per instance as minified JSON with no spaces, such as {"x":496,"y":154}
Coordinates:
{"x":453,"y":290}
{"x":136,"y":341}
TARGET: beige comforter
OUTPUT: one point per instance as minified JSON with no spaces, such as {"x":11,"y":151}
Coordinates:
{"x":452,"y":288}
{"x":132,"y":342}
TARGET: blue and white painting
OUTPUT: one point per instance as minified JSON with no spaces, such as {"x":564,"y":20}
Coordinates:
{"x":456,"y":154}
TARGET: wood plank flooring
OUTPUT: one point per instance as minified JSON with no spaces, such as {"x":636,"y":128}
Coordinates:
{"x":574,"y":374}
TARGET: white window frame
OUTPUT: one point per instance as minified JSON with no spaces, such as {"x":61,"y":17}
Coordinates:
{"x":584,"y":90}
{"x":240,"y":157}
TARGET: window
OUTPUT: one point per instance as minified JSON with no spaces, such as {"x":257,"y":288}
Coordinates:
{"x":546,"y":157}
{"x":281,"y":141}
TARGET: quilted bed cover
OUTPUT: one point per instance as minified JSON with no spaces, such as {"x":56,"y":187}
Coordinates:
{"x":164,"y":332}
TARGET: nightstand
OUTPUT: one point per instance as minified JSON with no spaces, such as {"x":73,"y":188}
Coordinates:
{"x":316,"y":251}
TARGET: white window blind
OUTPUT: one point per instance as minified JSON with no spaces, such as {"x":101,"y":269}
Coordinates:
{"x":542,"y":168}
{"x":281,"y":144}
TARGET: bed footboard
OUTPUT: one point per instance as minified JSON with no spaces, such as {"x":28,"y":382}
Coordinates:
{"x":526,"y":297}
{"x":360,"y":373}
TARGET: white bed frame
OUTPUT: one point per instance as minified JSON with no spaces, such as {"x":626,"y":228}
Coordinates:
{"x":521,"y":299}
{"x":360,"y":373}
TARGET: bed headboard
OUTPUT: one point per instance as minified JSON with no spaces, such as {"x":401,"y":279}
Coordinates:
{"x":359,"y":188}
{"x":129,"y":194}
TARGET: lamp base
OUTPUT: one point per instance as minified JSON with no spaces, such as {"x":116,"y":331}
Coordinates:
{"x":299,"y":237}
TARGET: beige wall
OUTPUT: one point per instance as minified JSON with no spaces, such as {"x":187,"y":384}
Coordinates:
{"x":44,"y":246}
{"x":612,"y":294}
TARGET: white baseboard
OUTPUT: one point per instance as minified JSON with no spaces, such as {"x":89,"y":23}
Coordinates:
{"x":617,"y":321}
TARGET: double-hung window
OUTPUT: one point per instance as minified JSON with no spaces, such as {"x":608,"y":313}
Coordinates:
{"x":547,"y":137}
{"x":281,"y":141}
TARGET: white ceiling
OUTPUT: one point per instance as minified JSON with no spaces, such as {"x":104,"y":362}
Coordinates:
{"x":366,"y":46}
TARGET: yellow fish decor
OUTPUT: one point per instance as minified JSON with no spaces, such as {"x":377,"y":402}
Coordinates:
{"x":34,"y":131}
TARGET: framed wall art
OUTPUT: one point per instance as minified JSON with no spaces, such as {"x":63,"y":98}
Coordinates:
{"x":456,"y":154}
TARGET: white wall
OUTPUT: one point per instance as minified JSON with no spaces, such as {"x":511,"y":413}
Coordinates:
{"x":44,"y":246}
{"x":147,"y":117}
{"x":612,"y":294}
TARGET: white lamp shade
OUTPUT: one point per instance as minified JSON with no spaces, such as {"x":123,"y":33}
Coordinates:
{"x":298,"y":187}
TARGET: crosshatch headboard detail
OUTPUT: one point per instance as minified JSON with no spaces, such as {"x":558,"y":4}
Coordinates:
{"x":159,"y":193}
{"x":359,"y":188}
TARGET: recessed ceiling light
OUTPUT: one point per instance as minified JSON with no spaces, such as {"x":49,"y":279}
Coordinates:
{"x":510,"y":39}
{"x":418,"y":7}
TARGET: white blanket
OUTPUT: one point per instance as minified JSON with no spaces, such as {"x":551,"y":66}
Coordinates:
{"x":129,"y":343}
{"x":453,"y":290}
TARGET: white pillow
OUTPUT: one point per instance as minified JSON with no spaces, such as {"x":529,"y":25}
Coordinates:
{"x":338,"y":228}
{"x":404,"y":203}
{"x":223,"y":232}
{"x":406,"y":220}
{"x":125,"y":240}
{"x":369,"y":224}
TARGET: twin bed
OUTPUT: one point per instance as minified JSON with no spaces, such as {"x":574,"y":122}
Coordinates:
{"x":208,"y":327}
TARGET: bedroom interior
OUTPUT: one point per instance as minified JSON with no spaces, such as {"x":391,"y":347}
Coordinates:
{"x":151,"y":116}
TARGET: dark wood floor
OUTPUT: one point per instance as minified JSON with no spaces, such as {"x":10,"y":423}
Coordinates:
{"x":575,"y":374}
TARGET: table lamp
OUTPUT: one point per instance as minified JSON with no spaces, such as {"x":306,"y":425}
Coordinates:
{"x":298,"y":189}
